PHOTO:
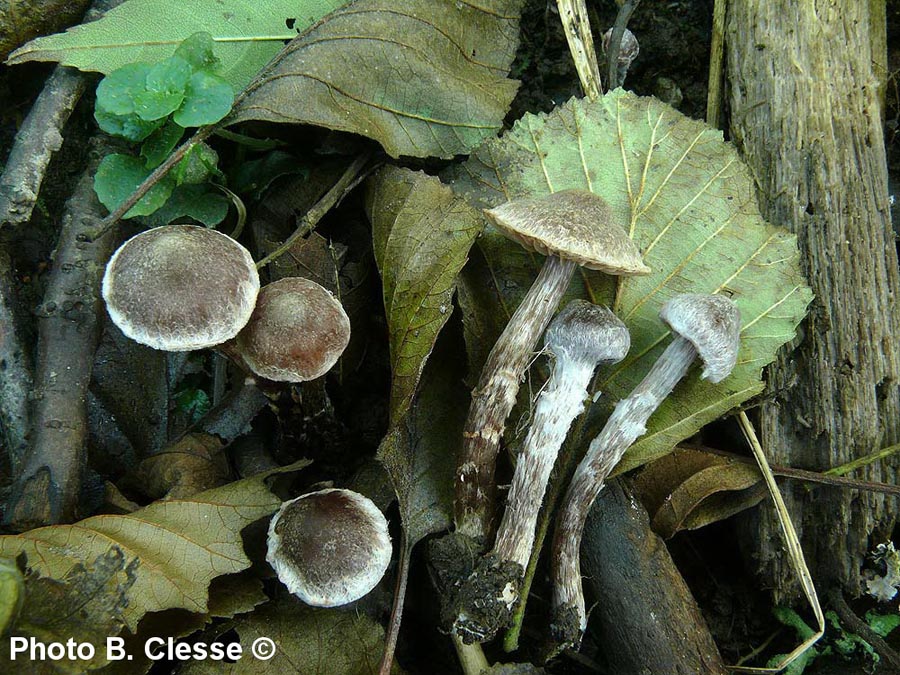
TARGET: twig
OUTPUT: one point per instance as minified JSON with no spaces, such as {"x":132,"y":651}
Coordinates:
{"x":626,"y":9}
{"x":471,"y":657}
{"x":157,"y":175}
{"x":47,"y":488}
{"x":860,"y":462}
{"x":716,"y":50}
{"x":351,"y":177}
{"x":861,"y":628}
{"x":390,"y":643}
{"x":16,"y":382}
{"x":831,"y":477}
{"x":41,"y":135}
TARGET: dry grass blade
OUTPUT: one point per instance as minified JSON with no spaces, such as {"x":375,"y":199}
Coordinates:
{"x":794,"y":551}
{"x":574,"y":16}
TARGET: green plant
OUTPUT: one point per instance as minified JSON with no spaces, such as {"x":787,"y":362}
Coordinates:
{"x":154,"y":104}
{"x":839,"y":640}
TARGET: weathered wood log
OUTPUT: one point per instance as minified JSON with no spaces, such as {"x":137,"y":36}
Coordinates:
{"x":645,"y":617}
{"x":806,"y":113}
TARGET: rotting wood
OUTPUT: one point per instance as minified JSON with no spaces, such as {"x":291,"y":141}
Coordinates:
{"x":645,"y":617}
{"x":806,"y":115}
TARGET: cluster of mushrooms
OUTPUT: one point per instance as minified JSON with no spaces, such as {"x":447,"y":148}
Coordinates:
{"x":185,"y":287}
{"x":572,"y":228}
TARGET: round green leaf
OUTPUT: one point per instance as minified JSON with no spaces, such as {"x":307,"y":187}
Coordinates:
{"x":119,"y":175}
{"x":207,"y":100}
{"x":197,"y":49}
{"x":117,"y":91}
{"x":689,"y":203}
{"x":194,"y":201}
{"x":197,"y":165}
{"x":130,"y":126}
{"x":160,"y":144}
{"x":164,"y":92}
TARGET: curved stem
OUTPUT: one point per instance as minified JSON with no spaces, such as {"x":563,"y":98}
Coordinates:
{"x":494,"y":397}
{"x":624,"y":426}
{"x":390,"y":643}
{"x":560,"y":403}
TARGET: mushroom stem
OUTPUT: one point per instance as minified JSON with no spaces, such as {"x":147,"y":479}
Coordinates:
{"x":626,"y":423}
{"x":560,"y":403}
{"x":581,"y":337}
{"x":495,"y":396}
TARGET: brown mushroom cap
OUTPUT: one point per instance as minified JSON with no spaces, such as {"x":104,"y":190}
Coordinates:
{"x":180,"y":287}
{"x":297,"y":332}
{"x":712,"y":323}
{"x":329,"y":547}
{"x":576,"y":225}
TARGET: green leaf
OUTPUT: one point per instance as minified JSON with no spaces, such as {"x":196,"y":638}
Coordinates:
{"x":165,"y":89}
{"x":12,"y":593}
{"x":117,"y":91}
{"x":422,"y":77}
{"x":197,"y":50}
{"x":208,"y":99}
{"x":130,"y":127}
{"x":192,"y":402}
{"x":419,"y":452}
{"x":180,"y":545}
{"x":422,"y":234}
{"x":882,"y":624}
{"x":307,"y":640}
{"x":194,"y":201}
{"x":687,"y":200}
{"x":254,"y":176}
{"x":196,"y":166}
{"x":246,"y":34}
{"x":119,"y":175}
{"x":160,"y":144}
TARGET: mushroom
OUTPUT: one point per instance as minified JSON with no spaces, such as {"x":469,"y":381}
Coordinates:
{"x":180,"y":287}
{"x":581,"y":337}
{"x":708,"y":326}
{"x":329,"y":548}
{"x":297,"y":332}
{"x":572,"y":228}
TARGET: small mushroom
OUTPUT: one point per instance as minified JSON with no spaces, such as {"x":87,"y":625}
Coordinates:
{"x":297,"y":332}
{"x":580,"y":338}
{"x":180,"y":287}
{"x":705,"y":325}
{"x":572,"y":228}
{"x":329,"y":548}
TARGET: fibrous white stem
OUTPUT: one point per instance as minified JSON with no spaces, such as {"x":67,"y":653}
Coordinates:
{"x":627,"y":422}
{"x":495,"y":396}
{"x":558,"y":405}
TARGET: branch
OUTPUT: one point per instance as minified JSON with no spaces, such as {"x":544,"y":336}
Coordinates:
{"x":16,"y":383}
{"x":48,"y":486}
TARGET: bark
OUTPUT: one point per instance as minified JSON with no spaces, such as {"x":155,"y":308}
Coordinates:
{"x":15,"y":373}
{"x":645,"y":616}
{"x":48,"y":486}
{"x":806,"y":113}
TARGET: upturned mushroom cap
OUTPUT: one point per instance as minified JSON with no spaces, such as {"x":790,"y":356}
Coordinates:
{"x":297,"y":332}
{"x":589,"y":332}
{"x":576,"y":225}
{"x":330,"y":547}
{"x":712,"y":323}
{"x":180,"y":287}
